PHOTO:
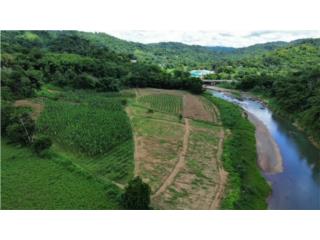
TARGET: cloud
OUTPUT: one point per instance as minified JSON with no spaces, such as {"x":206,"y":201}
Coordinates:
{"x":214,"y":38}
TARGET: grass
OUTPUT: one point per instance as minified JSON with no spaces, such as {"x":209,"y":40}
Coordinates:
{"x":115,"y":165}
{"x":92,"y":148}
{"x":163,"y":103}
{"x":247,"y":189}
{"x":30,"y":182}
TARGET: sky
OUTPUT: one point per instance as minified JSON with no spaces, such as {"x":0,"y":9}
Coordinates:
{"x":214,"y":38}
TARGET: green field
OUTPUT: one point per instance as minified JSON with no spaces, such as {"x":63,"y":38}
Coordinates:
{"x":89,"y":125}
{"x":30,"y":182}
{"x":92,"y":146}
{"x":163,"y":103}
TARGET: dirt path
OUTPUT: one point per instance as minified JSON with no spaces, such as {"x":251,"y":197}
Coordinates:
{"x":180,"y":163}
{"x":223,"y":175}
{"x":136,"y":142}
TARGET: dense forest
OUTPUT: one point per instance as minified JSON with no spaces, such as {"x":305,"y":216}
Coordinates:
{"x":67,"y":59}
{"x":290,"y":76}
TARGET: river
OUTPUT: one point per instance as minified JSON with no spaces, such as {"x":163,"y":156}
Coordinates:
{"x":297,"y":184}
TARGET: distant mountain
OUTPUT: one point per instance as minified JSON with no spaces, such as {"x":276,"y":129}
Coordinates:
{"x":170,"y":54}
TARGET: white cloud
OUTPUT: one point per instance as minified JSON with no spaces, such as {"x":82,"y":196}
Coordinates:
{"x":214,"y":38}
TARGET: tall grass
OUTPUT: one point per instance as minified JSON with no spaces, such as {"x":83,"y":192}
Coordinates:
{"x":247,"y":189}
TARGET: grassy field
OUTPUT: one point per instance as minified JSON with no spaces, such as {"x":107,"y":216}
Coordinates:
{"x":247,"y":189}
{"x":30,"y":182}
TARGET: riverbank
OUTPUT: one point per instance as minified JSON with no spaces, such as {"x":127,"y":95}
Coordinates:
{"x":246,"y":188}
{"x":272,"y":105}
{"x":269,"y":157}
{"x":277,"y":110}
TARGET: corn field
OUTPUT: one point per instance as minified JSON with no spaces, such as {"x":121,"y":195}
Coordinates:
{"x":163,"y":103}
{"x":90,"y":125}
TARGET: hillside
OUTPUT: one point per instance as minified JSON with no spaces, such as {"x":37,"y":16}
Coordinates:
{"x":289,"y":75}
{"x":67,"y":59}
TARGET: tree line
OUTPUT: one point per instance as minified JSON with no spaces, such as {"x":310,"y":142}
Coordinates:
{"x":31,"y":59}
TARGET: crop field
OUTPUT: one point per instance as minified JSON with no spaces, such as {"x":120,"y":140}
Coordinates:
{"x":157,"y":147}
{"x":30,"y":182}
{"x":178,"y":158}
{"x":212,"y":109}
{"x":94,"y":130}
{"x":115,"y":165}
{"x":196,"y":185}
{"x":163,"y":103}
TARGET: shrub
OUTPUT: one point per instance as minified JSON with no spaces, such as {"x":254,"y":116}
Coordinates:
{"x":124,"y":102}
{"x":41,"y":144}
{"x":136,"y":195}
{"x":21,"y":129}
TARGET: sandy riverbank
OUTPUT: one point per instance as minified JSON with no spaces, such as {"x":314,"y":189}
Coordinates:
{"x":269,"y":157}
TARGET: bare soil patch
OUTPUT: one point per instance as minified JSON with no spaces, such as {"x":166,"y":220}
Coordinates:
{"x":200,"y":182}
{"x":37,"y":108}
{"x":194,"y":108}
{"x":181,"y":162}
{"x":179,"y":158}
{"x":151,"y":91}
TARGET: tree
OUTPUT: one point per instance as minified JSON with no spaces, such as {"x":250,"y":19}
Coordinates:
{"x":41,"y":144}
{"x":136,"y":195}
{"x":21,"y":128}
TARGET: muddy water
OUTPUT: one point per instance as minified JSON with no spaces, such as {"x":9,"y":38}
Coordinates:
{"x":297,"y":185}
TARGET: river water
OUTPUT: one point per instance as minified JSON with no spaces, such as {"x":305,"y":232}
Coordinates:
{"x":298,"y":185}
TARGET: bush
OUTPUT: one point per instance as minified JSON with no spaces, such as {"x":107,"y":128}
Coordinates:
{"x":124,"y":102}
{"x":21,"y":128}
{"x":41,"y":144}
{"x":6,"y":113}
{"x":136,"y":195}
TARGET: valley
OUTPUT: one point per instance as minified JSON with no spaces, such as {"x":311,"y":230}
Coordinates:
{"x":89,"y":121}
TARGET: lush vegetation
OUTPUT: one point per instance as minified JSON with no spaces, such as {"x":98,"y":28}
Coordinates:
{"x":16,"y":124}
{"x":53,"y":182}
{"x":174,"y":55}
{"x":247,"y":189}
{"x":94,"y":125}
{"x":90,"y":129}
{"x":91,"y":137}
{"x":136,"y":195}
{"x":68,"y":59}
{"x":163,"y":103}
{"x":289,"y":76}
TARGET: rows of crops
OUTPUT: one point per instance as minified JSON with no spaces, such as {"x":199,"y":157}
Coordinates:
{"x":208,"y":106}
{"x":116,"y":165}
{"x":86,"y":94}
{"x":93,"y":126}
{"x":163,"y":103}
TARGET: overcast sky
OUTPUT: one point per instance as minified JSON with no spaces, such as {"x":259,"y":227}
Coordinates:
{"x":214,"y":38}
